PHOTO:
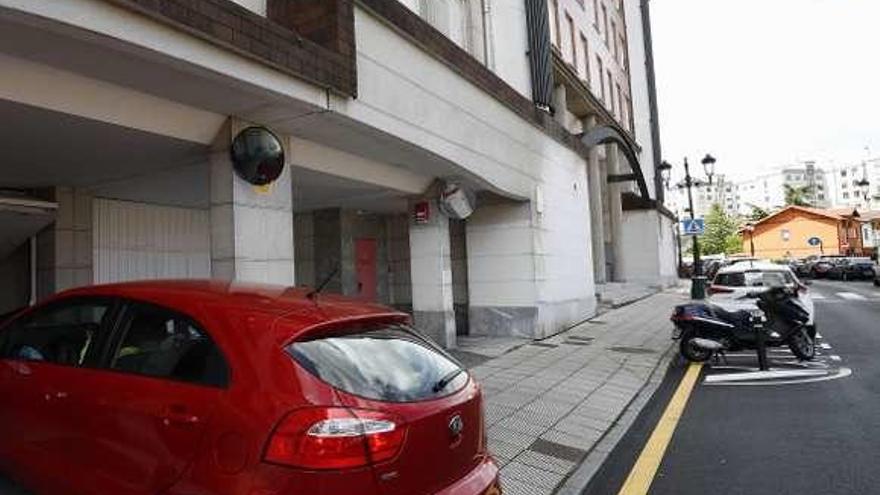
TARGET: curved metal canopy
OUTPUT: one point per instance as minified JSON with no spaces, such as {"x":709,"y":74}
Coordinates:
{"x":606,"y":134}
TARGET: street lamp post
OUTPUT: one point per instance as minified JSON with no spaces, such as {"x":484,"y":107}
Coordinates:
{"x":698,"y":280}
{"x":750,"y":228}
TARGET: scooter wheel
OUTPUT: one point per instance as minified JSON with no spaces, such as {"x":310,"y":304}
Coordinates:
{"x":690,"y":351}
{"x":802,"y":345}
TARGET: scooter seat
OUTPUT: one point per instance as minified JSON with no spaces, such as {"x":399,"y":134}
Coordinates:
{"x":739,"y":317}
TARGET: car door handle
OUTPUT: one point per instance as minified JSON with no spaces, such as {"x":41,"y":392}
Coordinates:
{"x":48,"y":396}
{"x":179,"y":416}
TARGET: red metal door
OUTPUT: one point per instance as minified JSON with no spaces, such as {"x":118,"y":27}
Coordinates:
{"x":365,"y":265}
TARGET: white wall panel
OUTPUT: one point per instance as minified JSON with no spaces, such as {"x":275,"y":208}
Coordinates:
{"x":134,"y":241}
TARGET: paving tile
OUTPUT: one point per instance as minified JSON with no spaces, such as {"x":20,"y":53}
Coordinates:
{"x":504,"y":449}
{"x":510,"y":436}
{"x":546,"y":480}
{"x":513,"y":486}
{"x":585,"y":440}
{"x":546,"y":462}
{"x":559,"y":451}
{"x":523,"y":425}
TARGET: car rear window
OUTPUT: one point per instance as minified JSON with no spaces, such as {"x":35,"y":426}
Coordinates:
{"x":755,"y":278}
{"x":388,"y":363}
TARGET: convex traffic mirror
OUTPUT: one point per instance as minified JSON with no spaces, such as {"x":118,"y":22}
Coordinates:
{"x":257,"y":156}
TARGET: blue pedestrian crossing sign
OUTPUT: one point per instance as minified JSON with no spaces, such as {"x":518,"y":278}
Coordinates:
{"x":814,"y":241}
{"x":693,"y":227}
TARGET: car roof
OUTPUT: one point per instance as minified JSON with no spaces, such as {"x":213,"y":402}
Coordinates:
{"x":753,"y":266}
{"x":274,"y":300}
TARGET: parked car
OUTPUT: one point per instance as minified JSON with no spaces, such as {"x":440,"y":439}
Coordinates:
{"x":218,"y":388}
{"x":852,"y":269}
{"x":732,"y":283}
{"x":823,"y":265}
{"x":801,"y":267}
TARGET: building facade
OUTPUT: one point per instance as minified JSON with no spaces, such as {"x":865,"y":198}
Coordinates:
{"x":785,"y":233}
{"x":848,"y":189}
{"x":121,"y":170}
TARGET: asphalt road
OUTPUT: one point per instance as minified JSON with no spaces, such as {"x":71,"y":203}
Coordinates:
{"x":786,"y":438}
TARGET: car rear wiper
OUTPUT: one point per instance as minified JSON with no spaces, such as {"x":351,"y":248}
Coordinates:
{"x":446,"y":380}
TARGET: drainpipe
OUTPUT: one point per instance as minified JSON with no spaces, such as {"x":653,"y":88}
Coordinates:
{"x":660,"y":193}
{"x":488,"y":56}
{"x":33,"y":269}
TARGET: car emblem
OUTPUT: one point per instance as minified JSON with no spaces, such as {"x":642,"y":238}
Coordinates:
{"x":456,"y":425}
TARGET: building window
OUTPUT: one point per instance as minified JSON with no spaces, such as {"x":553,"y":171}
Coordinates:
{"x":843,"y":173}
{"x":585,"y":47}
{"x":605,"y":25}
{"x":631,"y":120}
{"x":788,"y":177}
{"x":570,"y":23}
{"x":843,"y":185}
{"x":623,"y":62}
{"x":821,"y":196}
{"x":596,"y":14}
{"x":786,"y":235}
{"x":554,"y":22}
{"x":610,"y":89}
{"x":846,"y":195}
{"x":614,"y":38}
{"x":620,"y":102}
{"x":601,"y":77}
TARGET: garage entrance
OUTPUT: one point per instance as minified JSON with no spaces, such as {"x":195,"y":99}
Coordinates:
{"x":21,"y":217}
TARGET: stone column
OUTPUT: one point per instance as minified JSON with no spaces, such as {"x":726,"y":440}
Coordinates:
{"x":559,"y":104}
{"x":597,"y":230}
{"x":431,"y":271}
{"x":251,"y":227}
{"x":615,"y":208}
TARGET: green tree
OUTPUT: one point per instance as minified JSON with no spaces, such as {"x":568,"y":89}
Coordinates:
{"x":722,"y":233}
{"x":757,"y":214}
{"x":797,"y":196}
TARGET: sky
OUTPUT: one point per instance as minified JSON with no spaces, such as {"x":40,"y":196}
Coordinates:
{"x":762,"y":84}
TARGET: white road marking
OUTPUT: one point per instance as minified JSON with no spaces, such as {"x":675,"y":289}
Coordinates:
{"x":841,"y":373}
{"x":817,"y":297}
{"x":851,"y":296}
{"x":834,"y":357}
{"x":825,"y":345}
{"x":759,"y":375}
{"x":819,"y":335}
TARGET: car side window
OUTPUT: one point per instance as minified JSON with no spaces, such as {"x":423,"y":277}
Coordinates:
{"x":61,"y":333}
{"x":161,"y":343}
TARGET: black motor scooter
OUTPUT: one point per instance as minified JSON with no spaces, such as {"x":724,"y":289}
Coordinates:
{"x":706,"y":329}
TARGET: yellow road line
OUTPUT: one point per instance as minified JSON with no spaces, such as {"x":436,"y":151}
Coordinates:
{"x":642,"y":475}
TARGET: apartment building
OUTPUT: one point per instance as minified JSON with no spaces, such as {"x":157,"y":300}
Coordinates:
{"x":767,"y":191}
{"x":848,"y":187}
{"x":428,"y":157}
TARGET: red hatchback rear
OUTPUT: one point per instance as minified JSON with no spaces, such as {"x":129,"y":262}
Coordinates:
{"x":217,"y":388}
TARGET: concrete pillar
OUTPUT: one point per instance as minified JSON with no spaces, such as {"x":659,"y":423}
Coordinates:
{"x":251,"y":227}
{"x":64,"y":249}
{"x":503,"y":280}
{"x":431,"y":271}
{"x":597,"y":231}
{"x":615,"y":210}
{"x":559,"y":104}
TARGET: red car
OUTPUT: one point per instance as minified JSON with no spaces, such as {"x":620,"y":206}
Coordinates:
{"x":207,"y":387}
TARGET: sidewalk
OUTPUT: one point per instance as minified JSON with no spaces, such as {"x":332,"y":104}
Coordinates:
{"x":548,"y":403}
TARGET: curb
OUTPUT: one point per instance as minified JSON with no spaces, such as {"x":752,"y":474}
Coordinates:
{"x":577,"y":480}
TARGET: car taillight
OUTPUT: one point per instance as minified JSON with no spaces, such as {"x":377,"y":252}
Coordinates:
{"x":717,"y":289}
{"x":335,"y":438}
